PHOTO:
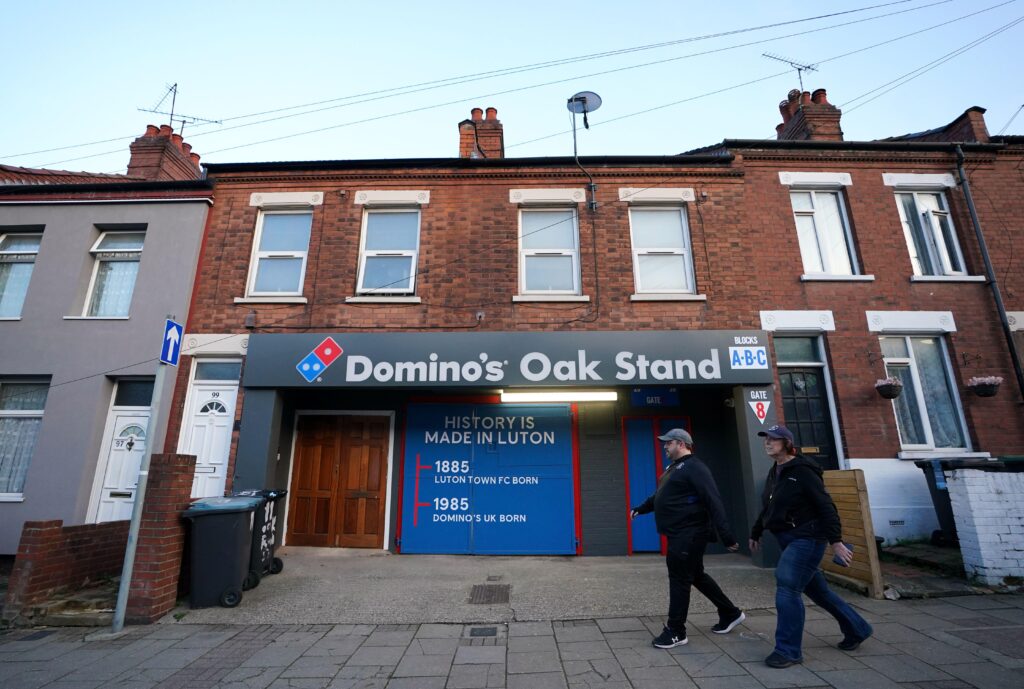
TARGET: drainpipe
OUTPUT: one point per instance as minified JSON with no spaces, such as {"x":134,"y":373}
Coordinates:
{"x":990,"y":272}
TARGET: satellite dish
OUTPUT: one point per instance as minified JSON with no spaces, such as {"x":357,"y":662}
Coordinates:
{"x":584,"y":102}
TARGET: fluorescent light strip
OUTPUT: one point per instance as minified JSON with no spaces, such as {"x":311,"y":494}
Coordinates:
{"x":561,"y":396}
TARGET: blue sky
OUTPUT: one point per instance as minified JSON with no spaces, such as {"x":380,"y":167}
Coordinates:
{"x":78,"y":72}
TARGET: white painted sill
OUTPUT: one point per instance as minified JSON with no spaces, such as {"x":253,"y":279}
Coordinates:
{"x":837,"y":278}
{"x":653,"y":296}
{"x":549,"y":297}
{"x":271,"y":300}
{"x":97,"y":318}
{"x":10,"y":318}
{"x":941,"y":454}
{"x":12,"y":497}
{"x":948,"y":278}
{"x":382,"y":300}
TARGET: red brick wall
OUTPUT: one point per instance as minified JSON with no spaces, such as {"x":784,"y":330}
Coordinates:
{"x":52,"y":556}
{"x":745,"y":252}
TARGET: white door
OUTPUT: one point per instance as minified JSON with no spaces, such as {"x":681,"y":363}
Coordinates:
{"x":208,"y":436}
{"x":124,"y":446}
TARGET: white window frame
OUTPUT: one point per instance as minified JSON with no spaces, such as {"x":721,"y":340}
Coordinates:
{"x":934,"y":242}
{"x":910,"y":361}
{"x":123,"y":256}
{"x":572,"y":252}
{"x":686,"y":252}
{"x":23,"y":414}
{"x":19,"y":257}
{"x":844,"y":219}
{"x":254,"y":262}
{"x":364,"y":253}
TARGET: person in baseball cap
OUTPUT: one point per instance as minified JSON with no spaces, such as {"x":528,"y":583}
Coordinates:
{"x":798,"y":511}
{"x":688,"y":511}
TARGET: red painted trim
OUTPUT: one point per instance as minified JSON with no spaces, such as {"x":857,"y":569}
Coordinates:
{"x":457,"y":399}
{"x":629,"y":507}
{"x":574,"y":412}
{"x":401,"y":477}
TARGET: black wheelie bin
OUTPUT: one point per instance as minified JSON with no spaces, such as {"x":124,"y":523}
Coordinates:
{"x":264,"y":536}
{"x":221,"y":546}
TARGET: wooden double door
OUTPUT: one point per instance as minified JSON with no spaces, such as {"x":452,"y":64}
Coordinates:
{"x":339,"y":482}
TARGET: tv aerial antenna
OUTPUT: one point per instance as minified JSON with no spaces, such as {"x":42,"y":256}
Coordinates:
{"x":172,"y":117}
{"x":584,"y":102}
{"x":798,"y":66}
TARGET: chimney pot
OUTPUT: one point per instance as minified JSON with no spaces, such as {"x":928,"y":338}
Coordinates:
{"x":492,"y":114}
{"x":784,"y":109}
{"x":176,"y":139}
{"x":805,"y":98}
{"x":195,"y":158}
{"x":165,"y":130}
{"x":151,"y":130}
{"x":793,"y":95}
{"x":477,"y":114}
{"x":187,"y":148}
{"x":820,"y":97}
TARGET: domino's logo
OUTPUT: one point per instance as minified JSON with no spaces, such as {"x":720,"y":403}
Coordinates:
{"x":317,"y":361}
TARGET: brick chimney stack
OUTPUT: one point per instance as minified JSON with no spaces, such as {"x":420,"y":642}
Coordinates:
{"x":161,"y":155}
{"x":480,"y":137}
{"x":809,"y":117}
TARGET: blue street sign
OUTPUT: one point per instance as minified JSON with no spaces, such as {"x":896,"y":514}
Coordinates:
{"x":170,"y":347}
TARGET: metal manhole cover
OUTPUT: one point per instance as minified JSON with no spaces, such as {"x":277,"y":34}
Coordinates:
{"x":489,"y":594}
{"x":483,"y":631}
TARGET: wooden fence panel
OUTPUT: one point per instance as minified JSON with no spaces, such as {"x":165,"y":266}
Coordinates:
{"x":850,"y":495}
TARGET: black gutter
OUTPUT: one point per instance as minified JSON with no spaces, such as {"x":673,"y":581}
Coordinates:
{"x":905,"y":146}
{"x":189,"y":185}
{"x":990,"y":272}
{"x":468,"y":163}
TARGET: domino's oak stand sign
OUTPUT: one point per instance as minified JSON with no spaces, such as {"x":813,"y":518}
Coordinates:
{"x":170,"y":347}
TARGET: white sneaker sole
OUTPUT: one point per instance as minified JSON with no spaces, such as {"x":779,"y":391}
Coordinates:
{"x":732,"y":625}
{"x":678,"y":643}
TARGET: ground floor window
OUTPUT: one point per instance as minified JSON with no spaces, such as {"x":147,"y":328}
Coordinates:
{"x":21,"y":416}
{"x":927,"y":412}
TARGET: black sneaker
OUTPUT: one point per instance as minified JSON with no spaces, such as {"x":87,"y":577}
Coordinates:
{"x":669,"y":639}
{"x":777,"y":660}
{"x":851,"y":643}
{"x":725,"y":626}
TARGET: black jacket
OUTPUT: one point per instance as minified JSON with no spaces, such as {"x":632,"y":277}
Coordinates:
{"x":795,"y":500}
{"x":687,"y":505}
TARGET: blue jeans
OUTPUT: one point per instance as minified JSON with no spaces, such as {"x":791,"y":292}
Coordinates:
{"x":797,"y":573}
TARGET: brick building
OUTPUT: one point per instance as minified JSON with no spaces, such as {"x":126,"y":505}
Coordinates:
{"x":90,"y":265}
{"x":385,"y":311}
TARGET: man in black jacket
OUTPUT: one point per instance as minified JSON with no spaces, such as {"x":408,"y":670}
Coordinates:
{"x":688,"y":512}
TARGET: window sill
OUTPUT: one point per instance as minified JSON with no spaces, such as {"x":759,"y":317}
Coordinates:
{"x":948,"y":278}
{"x":271,"y":300}
{"x":549,"y":297}
{"x":12,"y":497}
{"x":940,"y":454}
{"x":10,"y":318}
{"x":836,"y":278}
{"x":367,"y":299}
{"x":657,"y":296}
{"x":96,"y":318}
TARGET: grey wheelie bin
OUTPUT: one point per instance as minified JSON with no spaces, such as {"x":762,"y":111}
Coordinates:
{"x":264,"y":536}
{"x":221,"y":545}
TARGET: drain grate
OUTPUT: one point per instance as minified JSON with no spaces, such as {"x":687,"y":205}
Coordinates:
{"x":483,"y":631}
{"x":489,"y":594}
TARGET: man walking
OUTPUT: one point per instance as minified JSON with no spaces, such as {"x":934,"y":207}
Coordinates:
{"x":688,"y":512}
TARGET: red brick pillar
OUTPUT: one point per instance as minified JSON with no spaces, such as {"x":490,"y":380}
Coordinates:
{"x":37,"y":567}
{"x":161,"y":538}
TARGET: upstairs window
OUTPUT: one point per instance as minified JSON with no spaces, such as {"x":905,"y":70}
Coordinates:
{"x":116,"y":256}
{"x":927,"y":412}
{"x":826,"y":245}
{"x":389,"y":254}
{"x":549,"y":251}
{"x":931,"y":237}
{"x":17,"y":258}
{"x":280,"y":251}
{"x":21,"y":416}
{"x":662,"y":260}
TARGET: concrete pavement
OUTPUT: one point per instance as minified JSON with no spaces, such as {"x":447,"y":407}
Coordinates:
{"x":531,"y":642}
